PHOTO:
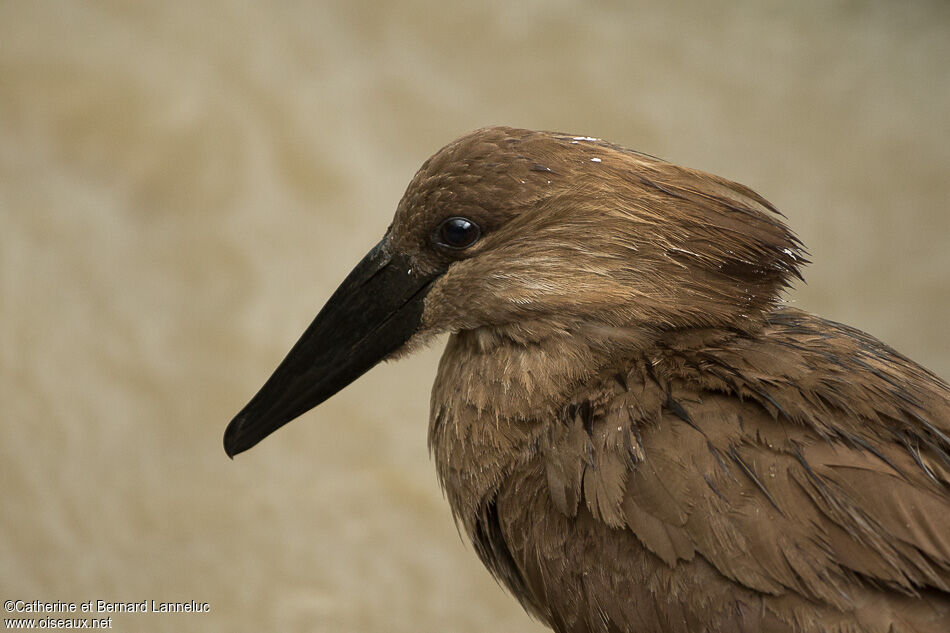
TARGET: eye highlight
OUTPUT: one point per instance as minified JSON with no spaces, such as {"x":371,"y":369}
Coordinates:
{"x":458,"y":233}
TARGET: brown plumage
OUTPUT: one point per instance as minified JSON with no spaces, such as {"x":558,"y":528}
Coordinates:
{"x":631,"y":428}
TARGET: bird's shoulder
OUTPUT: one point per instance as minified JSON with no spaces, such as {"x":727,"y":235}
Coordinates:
{"x":805,"y":458}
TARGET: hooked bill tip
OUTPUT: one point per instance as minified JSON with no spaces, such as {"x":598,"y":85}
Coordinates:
{"x":232,"y":438}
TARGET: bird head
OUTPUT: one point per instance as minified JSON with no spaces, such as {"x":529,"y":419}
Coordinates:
{"x":534,"y":232}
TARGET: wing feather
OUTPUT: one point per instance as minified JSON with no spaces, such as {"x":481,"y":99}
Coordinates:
{"x":810,"y":462}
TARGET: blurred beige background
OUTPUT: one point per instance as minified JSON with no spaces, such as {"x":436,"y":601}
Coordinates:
{"x":182,"y":184}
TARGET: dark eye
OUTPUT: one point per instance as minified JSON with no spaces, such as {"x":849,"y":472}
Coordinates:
{"x":459,"y":233}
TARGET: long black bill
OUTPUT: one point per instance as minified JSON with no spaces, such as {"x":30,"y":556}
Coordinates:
{"x":373,"y":312}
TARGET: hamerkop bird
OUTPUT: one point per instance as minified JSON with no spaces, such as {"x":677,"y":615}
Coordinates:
{"x":632,"y":429}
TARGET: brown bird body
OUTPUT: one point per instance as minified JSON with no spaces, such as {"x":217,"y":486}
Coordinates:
{"x":634,"y":432}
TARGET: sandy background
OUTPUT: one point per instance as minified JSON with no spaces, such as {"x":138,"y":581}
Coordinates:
{"x":182,"y":185}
